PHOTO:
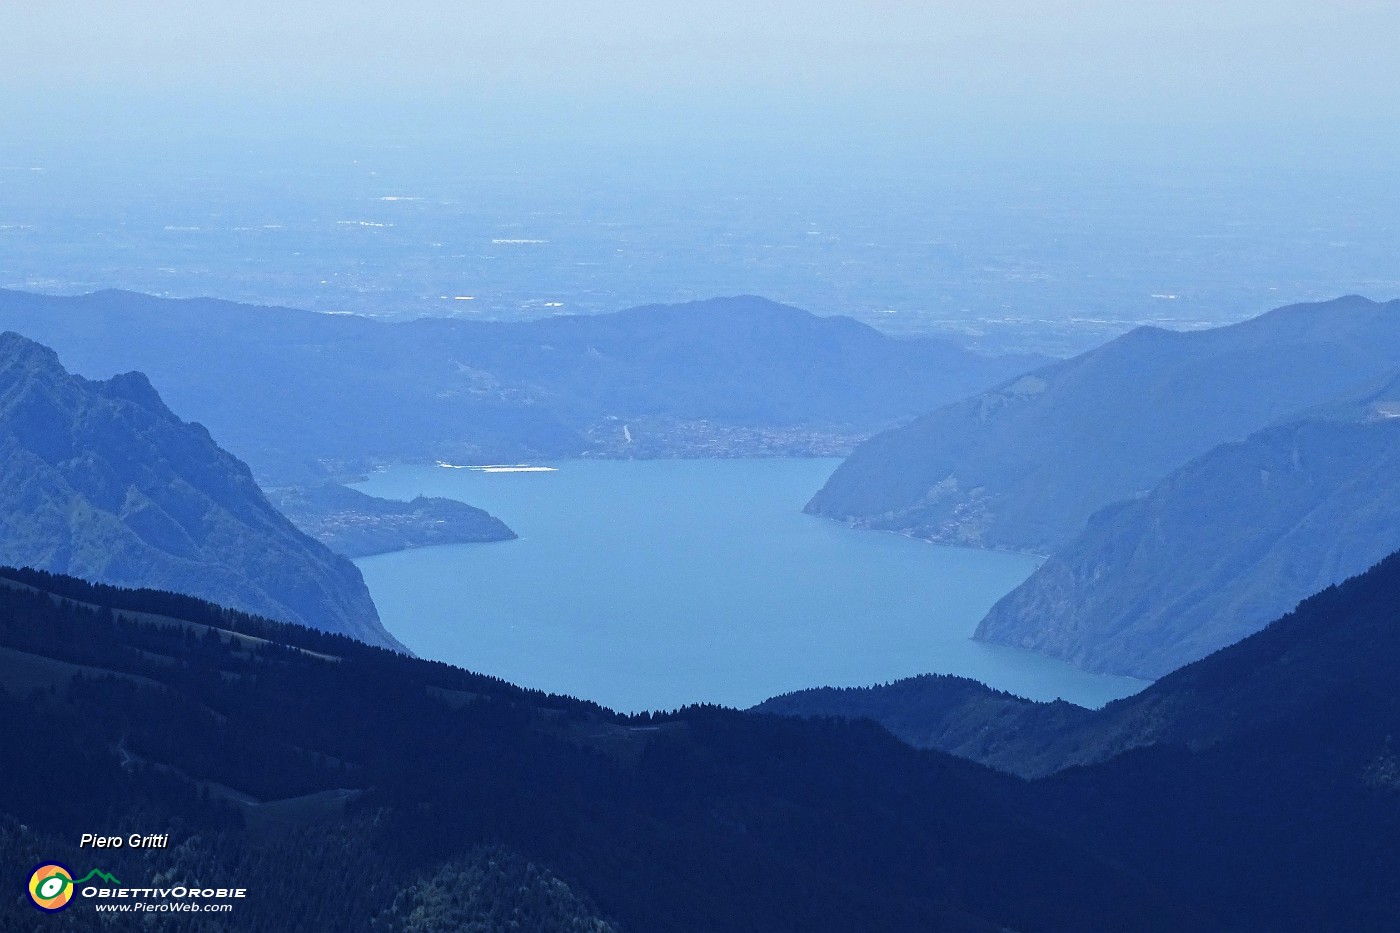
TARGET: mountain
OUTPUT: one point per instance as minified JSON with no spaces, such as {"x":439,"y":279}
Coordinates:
{"x":378,"y":787}
{"x":1338,"y":648}
{"x":1024,"y":466}
{"x":101,"y":480}
{"x":1272,"y":767}
{"x":302,"y":395}
{"x":1263,"y":779}
{"x":1214,"y":552}
{"x":352,"y":523}
{"x":952,"y":714}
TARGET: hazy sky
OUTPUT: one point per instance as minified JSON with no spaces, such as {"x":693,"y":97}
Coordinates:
{"x":1185,"y":63}
{"x":1062,"y":140}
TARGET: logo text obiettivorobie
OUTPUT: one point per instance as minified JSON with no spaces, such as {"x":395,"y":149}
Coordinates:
{"x":53,"y":887}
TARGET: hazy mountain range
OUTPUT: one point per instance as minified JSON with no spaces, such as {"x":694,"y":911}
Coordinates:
{"x":1189,"y":487}
{"x":1023,"y":466}
{"x":302,"y":395}
{"x":101,"y":480}
{"x":1213,"y":533}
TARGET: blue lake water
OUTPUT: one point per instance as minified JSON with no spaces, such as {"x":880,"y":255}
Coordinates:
{"x":653,"y":584}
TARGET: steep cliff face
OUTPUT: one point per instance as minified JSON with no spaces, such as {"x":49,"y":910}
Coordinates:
{"x":101,"y":480}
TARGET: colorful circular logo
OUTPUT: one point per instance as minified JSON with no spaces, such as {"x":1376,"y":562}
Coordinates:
{"x":51,"y":886}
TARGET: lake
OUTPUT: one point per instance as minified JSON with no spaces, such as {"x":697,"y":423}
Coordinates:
{"x":651,"y":584}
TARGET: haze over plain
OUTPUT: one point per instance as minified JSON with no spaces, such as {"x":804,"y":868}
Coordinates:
{"x":1022,"y":175}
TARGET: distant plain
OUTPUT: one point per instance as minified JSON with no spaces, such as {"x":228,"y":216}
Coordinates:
{"x":1051,"y":256}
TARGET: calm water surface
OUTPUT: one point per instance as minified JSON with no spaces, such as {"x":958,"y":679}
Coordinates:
{"x":653,"y":584}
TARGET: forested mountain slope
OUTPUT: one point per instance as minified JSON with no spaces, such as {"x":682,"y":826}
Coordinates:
{"x":1336,"y":651}
{"x":292,"y":760}
{"x":1255,"y":790}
